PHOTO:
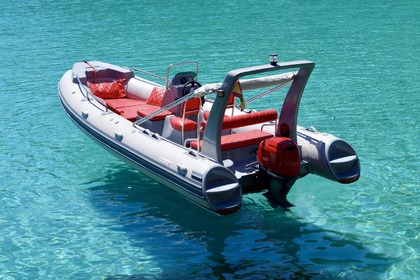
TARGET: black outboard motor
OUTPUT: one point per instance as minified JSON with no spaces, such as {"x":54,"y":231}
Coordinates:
{"x":279,"y":167}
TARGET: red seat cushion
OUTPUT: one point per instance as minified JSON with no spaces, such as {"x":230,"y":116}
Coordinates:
{"x":130,"y":113}
{"x":176,"y":123}
{"x":156,"y":96}
{"x":116,"y":104}
{"x":153,"y":103}
{"x":147,"y":109}
{"x":249,"y":119}
{"x":125,"y":107}
{"x":115,"y":89}
{"x":239,"y":140}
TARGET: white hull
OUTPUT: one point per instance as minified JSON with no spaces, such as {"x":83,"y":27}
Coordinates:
{"x":212,"y":177}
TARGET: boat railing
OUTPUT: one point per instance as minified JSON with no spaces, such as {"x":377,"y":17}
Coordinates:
{"x":88,"y":94}
{"x":148,"y":73}
{"x":180,"y":64}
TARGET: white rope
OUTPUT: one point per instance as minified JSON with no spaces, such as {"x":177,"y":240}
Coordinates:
{"x":276,"y":88}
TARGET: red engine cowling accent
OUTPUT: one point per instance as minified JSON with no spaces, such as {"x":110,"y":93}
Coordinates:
{"x":279,"y":155}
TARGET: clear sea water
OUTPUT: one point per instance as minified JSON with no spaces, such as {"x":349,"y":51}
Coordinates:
{"x":70,"y":210}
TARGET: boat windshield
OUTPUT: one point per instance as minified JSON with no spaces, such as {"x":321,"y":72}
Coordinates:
{"x":182,"y":68}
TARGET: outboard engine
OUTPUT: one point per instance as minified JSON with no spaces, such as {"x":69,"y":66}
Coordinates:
{"x":279,"y":162}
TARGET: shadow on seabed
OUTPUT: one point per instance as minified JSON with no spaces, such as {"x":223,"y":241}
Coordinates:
{"x":255,"y":242}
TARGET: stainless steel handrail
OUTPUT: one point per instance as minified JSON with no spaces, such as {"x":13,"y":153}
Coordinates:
{"x":148,"y":73}
{"x":88,"y":92}
{"x":180,"y":64}
{"x":178,"y":101}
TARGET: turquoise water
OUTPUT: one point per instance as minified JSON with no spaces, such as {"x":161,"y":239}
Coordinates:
{"x":70,"y":210}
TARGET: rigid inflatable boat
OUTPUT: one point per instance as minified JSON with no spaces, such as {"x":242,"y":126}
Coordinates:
{"x":203,"y":141}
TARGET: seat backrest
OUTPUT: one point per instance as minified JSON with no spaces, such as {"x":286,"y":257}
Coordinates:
{"x":245,"y":119}
{"x":139,"y":89}
{"x":190,"y":107}
{"x":249,"y":119}
{"x":156,"y":96}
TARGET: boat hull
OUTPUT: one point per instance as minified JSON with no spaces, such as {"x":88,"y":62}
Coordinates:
{"x":207,"y":154}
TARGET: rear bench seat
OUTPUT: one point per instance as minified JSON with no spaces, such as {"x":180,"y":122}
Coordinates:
{"x":245,"y":138}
